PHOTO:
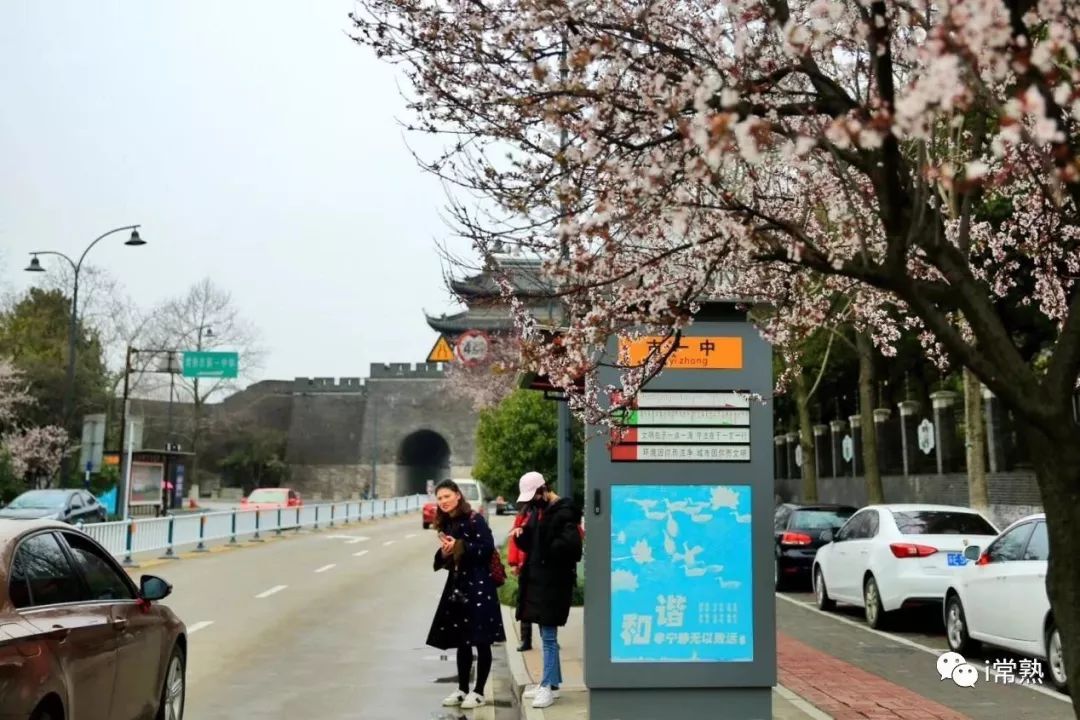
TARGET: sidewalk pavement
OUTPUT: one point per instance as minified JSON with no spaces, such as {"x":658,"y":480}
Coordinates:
{"x":573,"y":704}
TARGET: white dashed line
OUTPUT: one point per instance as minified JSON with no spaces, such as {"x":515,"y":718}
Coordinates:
{"x":324,"y":568}
{"x":362,"y":553}
{"x":936,"y":652}
{"x":410,"y":536}
{"x":271,"y":591}
{"x":192,"y":629}
{"x":388,"y":542}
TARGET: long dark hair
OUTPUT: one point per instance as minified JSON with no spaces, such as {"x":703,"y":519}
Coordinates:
{"x":442,"y":519}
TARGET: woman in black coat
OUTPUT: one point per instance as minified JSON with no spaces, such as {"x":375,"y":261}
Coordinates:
{"x":551,"y":539}
{"x":468,"y":615}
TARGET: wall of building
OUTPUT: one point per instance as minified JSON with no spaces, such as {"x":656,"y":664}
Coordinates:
{"x":333,"y":428}
{"x":1012,"y":495}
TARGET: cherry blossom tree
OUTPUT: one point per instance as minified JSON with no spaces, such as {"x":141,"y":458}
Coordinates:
{"x":487,"y":384}
{"x":35,"y":453}
{"x":920,"y":159}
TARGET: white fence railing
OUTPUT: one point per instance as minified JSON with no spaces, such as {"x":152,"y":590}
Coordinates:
{"x":125,"y":538}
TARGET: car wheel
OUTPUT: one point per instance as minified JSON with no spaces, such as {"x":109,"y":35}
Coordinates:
{"x":173,"y":692}
{"x":824,"y":602}
{"x":779,"y":582}
{"x":876,"y":617}
{"x":1055,"y":660}
{"x":956,"y":629}
{"x":44,"y":714}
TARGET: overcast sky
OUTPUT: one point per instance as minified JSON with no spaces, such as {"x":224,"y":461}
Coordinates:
{"x":254,"y":142}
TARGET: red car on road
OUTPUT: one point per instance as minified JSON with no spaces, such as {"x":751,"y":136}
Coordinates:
{"x":272,"y":499}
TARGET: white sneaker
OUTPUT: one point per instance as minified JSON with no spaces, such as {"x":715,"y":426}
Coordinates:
{"x":454,"y":699}
{"x":531,"y":692}
{"x":545,"y":697}
{"x":472,"y":700}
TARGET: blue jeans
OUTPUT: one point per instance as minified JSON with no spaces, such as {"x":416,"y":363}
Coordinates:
{"x":552,"y":669}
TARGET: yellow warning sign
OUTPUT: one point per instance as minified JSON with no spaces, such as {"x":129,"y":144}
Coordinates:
{"x":442,"y":352}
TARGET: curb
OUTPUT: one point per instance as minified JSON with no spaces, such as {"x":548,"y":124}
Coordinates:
{"x":801,"y":704}
{"x":518,"y":672}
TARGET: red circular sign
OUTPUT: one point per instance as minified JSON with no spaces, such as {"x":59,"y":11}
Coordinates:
{"x":473,"y":347}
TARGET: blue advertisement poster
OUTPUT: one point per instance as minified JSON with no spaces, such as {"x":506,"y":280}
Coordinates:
{"x":681,"y":579}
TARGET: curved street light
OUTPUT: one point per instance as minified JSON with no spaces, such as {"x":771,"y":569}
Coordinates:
{"x":134,"y":240}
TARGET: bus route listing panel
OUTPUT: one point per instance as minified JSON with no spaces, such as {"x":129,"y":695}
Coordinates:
{"x":684,"y":426}
{"x":681,"y":574}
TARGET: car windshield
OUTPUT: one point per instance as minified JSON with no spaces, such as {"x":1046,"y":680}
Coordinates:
{"x":819,"y":519}
{"x":269,"y":496}
{"x":40,"y":500}
{"x":942,"y":522}
{"x":470,"y":491}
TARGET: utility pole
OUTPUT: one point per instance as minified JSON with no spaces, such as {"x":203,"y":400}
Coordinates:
{"x":121,"y":482}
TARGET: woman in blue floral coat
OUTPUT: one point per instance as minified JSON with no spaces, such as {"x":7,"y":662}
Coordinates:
{"x":468,"y":615}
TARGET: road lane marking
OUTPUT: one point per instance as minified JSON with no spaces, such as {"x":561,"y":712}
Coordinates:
{"x":349,"y":539}
{"x":324,"y":568}
{"x":362,"y":553}
{"x":410,"y":536}
{"x":388,"y":542}
{"x":271,"y":591}
{"x":936,"y":652}
{"x":192,"y":629}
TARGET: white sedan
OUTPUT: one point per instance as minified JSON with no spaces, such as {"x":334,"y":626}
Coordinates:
{"x":1001,"y":599}
{"x":888,"y":557}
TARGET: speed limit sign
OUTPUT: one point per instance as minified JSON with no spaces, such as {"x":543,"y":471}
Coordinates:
{"x":473,"y":347}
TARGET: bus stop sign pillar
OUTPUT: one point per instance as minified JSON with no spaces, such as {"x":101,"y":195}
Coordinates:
{"x":680,"y":611}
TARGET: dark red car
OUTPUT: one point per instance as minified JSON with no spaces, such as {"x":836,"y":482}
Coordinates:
{"x":78,"y":639}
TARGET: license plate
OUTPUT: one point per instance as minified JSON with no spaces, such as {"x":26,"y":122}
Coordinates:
{"x":956,"y":558}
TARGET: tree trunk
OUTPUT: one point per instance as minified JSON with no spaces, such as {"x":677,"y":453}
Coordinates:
{"x":806,"y":441}
{"x":1057,"y":468}
{"x":978,"y":491}
{"x":875,"y":494}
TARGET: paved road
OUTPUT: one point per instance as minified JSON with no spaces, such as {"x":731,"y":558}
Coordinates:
{"x":906,"y":656}
{"x":327,"y":624}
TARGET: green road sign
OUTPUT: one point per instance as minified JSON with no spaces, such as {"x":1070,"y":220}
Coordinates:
{"x":202,"y":364}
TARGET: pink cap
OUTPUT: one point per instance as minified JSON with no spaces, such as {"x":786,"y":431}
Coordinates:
{"x":529,"y":483}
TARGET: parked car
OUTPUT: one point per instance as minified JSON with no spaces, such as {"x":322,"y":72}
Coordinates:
{"x":78,"y":639}
{"x":66,"y":505}
{"x":471,"y":490}
{"x":888,"y":557}
{"x":1000,"y":598}
{"x":799,"y":531}
{"x":501,"y":506}
{"x":271,"y":499}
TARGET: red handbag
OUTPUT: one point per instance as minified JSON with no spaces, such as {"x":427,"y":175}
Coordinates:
{"x":498,"y":572}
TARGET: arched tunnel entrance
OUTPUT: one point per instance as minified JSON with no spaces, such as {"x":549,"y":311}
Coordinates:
{"x":423,"y":455}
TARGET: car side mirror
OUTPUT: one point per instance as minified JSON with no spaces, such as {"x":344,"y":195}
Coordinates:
{"x":153,"y":588}
{"x":827,"y":536}
{"x":972,"y":552}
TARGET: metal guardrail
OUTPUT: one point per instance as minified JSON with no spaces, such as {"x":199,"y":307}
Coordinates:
{"x":125,"y":538}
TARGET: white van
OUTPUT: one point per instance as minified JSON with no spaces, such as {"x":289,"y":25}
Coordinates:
{"x":475,"y":493}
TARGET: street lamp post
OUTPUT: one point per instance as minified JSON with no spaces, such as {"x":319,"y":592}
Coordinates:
{"x":35,"y":266}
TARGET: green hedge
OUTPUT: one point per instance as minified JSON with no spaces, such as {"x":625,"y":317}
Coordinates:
{"x":508,"y":593}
